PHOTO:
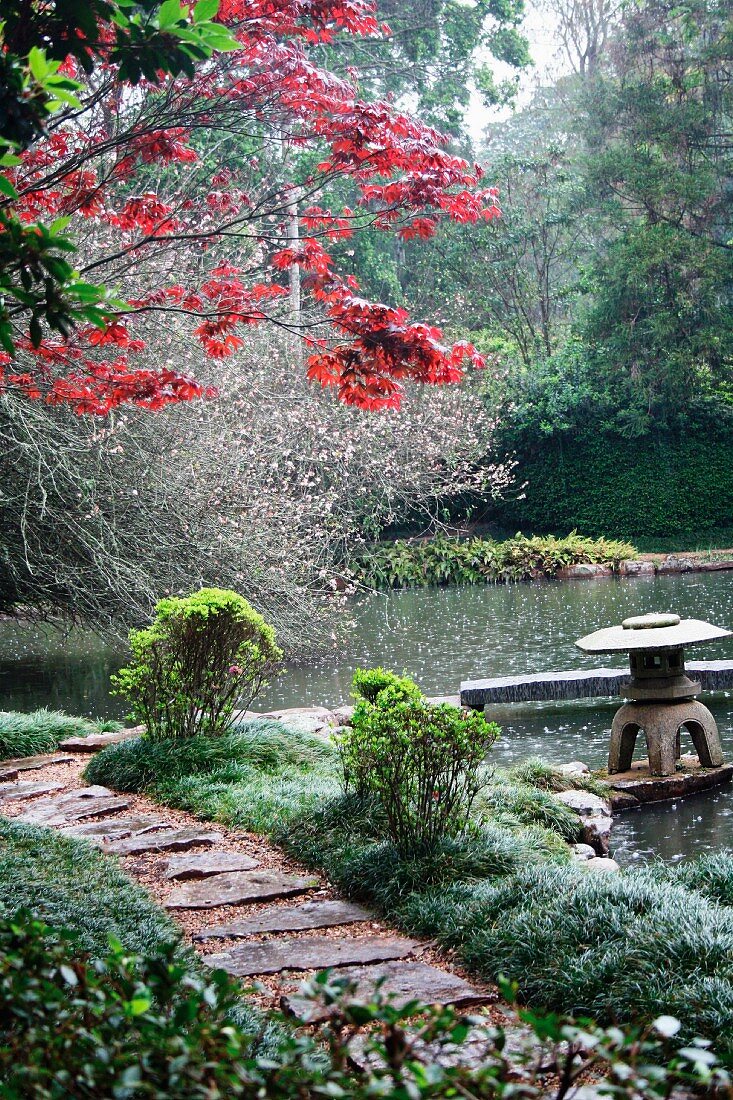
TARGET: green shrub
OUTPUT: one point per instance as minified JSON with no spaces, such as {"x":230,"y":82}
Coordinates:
{"x":73,"y":1028}
{"x":30,"y":734}
{"x":368,"y":683}
{"x":121,"y":1026}
{"x":600,"y":481}
{"x":423,"y":761}
{"x":140,"y":764}
{"x":201,"y":656}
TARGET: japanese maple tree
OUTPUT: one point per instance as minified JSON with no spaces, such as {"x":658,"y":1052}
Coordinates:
{"x":194,"y":190}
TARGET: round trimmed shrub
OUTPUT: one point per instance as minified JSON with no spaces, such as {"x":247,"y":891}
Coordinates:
{"x":202,"y":656}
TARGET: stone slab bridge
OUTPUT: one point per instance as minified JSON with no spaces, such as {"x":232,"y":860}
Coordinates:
{"x":586,"y":684}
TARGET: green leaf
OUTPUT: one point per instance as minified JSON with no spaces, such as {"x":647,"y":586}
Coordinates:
{"x":216,"y":37}
{"x":170,"y":12}
{"x":6,"y":338}
{"x":7,"y":188}
{"x":58,"y":225}
{"x":88,"y":292}
{"x":38,"y":64}
{"x":61,"y":99}
{"x":205,"y":10}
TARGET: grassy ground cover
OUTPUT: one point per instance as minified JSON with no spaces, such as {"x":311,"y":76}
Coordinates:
{"x":70,"y":884}
{"x":506,"y":897}
{"x":29,"y":734}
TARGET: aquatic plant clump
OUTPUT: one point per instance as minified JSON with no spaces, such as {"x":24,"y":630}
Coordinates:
{"x":201,"y":656}
{"x":441,"y":561}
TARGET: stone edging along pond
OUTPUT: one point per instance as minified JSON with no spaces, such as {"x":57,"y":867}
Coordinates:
{"x":648,"y":566}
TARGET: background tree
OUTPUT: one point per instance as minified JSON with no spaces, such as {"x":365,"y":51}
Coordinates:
{"x":268,"y":489}
{"x":232,"y":228}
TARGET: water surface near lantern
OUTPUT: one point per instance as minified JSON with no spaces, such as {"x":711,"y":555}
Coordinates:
{"x":440,"y":637}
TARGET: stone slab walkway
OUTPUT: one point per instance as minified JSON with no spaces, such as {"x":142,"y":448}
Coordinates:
{"x":311,"y":953}
{"x":238,"y":899}
{"x":296,"y":918}
{"x":237,"y":888}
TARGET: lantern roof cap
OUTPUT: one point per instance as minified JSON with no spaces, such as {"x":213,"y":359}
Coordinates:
{"x":654,"y":631}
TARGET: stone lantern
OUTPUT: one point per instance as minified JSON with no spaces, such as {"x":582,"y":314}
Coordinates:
{"x":662,"y":698}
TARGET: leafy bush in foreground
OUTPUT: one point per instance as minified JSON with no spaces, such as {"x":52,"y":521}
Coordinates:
{"x":30,"y":734}
{"x":201,"y":656}
{"x":128,"y":1027}
{"x":423,"y":761}
{"x":121,"y":1026}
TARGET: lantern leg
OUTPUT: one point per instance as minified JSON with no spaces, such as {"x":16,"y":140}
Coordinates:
{"x":662,"y":737}
{"x":704,"y":733}
{"x":623,"y":740}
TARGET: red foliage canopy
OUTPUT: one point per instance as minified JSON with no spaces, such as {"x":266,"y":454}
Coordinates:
{"x":144,"y":203}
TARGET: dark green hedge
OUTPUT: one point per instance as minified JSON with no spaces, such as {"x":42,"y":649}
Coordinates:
{"x":601,"y":484}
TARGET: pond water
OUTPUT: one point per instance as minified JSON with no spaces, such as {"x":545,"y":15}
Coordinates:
{"x":440,"y":637}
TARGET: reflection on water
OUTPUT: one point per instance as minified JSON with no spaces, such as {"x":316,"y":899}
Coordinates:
{"x":675,"y":830}
{"x":43,"y":667}
{"x":440,"y":637}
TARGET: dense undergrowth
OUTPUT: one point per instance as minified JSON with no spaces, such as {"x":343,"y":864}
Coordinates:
{"x":443,"y":561}
{"x":129,"y":1026}
{"x":113,"y":1004}
{"x":29,"y":734}
{"x":505,"y":896}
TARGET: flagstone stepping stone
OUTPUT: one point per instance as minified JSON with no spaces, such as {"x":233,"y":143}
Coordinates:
{"x":96,"y":741}
{"x":11,"y":792}
{"x":310,"y":953}
{"x":65,"y":809}
{"x":309,"y":914}
{"x":237,"y":888}
{"x":9,"y":768}
{"x":204,"y":864}
{"x":116,"y":828}
{"x":404,"y":981}
{"x":170,"y":840}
